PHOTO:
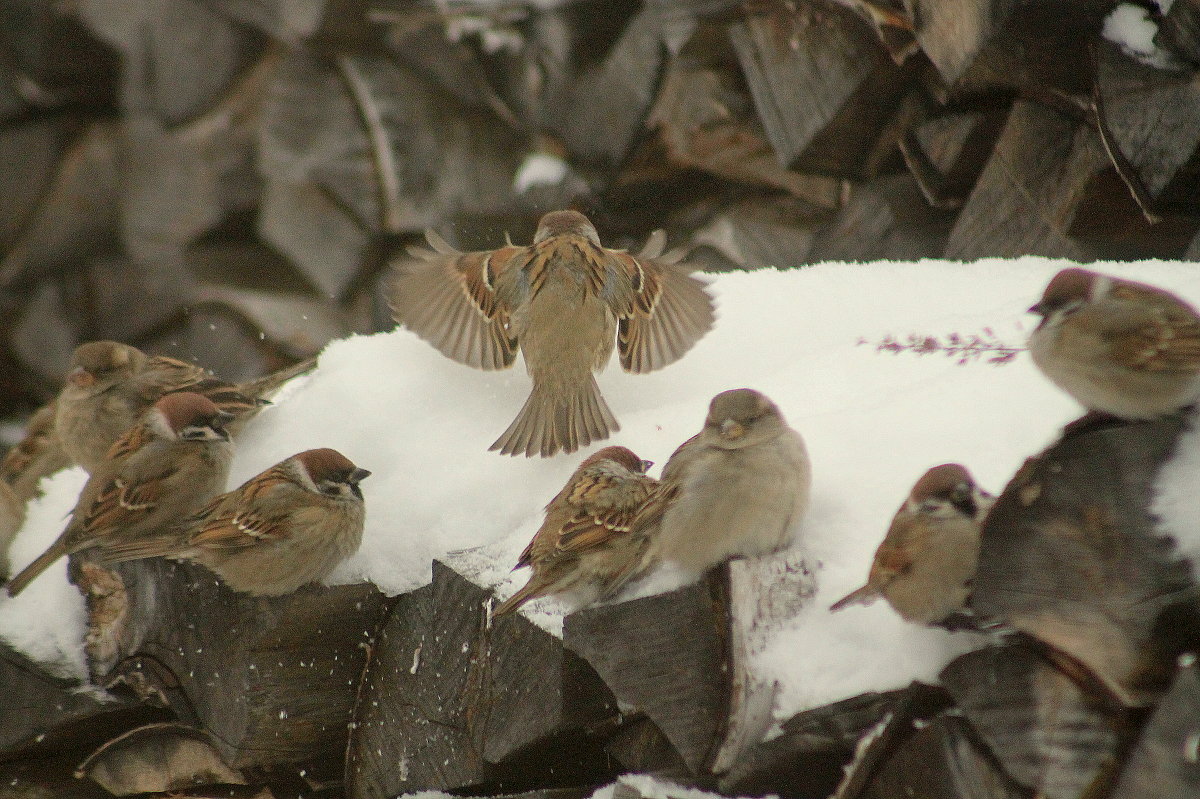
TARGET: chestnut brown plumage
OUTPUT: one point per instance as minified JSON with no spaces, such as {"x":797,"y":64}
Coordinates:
{"x":584,"y":547}
{"x":282,"y":529}
{"x":563,"y":301}
{"x":159,"y":472}
{"x":1118,"y":347}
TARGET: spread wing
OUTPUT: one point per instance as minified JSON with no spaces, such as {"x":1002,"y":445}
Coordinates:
{"x":670,"y":309}
{"x":449,"y":299}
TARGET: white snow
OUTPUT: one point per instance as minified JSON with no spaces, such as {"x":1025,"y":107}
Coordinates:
{"x":1130,"y":27}
{"x":540,"y":169}
{"x":873,"y":421}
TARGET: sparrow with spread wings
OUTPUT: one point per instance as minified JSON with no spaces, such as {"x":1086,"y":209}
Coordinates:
{"x":564,"y":301}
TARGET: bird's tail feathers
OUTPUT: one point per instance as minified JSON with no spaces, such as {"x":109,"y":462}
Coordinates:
{"x":31,"y":572}
{"x":550,"y":422}
{"x":863,"y":596}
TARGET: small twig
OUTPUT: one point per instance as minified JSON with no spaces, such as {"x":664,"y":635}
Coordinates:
{"x":964,"y":348}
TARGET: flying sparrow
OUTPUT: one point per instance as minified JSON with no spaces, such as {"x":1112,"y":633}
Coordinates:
{"x":111,"y":384}
{"x":562,"y":301}
{"x":926,"y":562}
{"x":736,"y":489}
{"x":1118,"y":347}
{"x":160,"y":471}
{"x":585,"y":547}
{"x":283,"y":528}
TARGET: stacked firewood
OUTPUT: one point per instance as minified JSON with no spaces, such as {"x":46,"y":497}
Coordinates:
{"x":183,"y":174}
{"x":226,"y":181}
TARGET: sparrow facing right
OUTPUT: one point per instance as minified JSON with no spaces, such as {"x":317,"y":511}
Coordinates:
{"x":562,"y":301}
{"x":926,"y":562}
{"x":163,"y":469}
{"x":1118,"y":347}
{"x":585,"y":547}
{"x":282,"y":529}
{"x":736,"y":489}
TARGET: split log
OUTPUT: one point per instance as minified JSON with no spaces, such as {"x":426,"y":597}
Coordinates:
{"x":946,"y":154}
{"x":841,"y":744}
{"x":1165,"y":763}
{"x":705,"y":121}
{"x":951,"y":33}
{"x":1044,"y":728}
{"x":1026,"y":197}
{"x":822,"y":84}
{"x":753,"y":234}
{"x":45,"y":714}
{"x":1150,"y":119}
{"x":604,"y":109}
{"x":77,"y":214}
{"x":272,"y":680}
{"x":47,"y":778}
{"x":683,"y":658}
{"x":1039,"y":52}
{"x":1071,"y":555}
{"x":885,"y":218}
{"x":1179,"y":31}
{"x":453,"y":699}
{"x":941,"y":760}
{"x":155,"y":758}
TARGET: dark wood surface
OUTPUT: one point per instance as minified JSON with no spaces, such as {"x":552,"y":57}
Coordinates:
{"x":1048,"y":731}
{"x":1071,"y":555}
{"x":454,"y":699}
{"x":272,"y":680}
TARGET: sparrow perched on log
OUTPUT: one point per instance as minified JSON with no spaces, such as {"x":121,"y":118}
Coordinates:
{"x":736,"y":489}
{"x":282,"y":529}
{"x":584,"y":547}
{"x":562,"y":301}
{"x":38,"y":454}
{"x":162,"y":470}
{"x":111,"y":384}
{"x":1118,"y":347}
{"x":926,"y":562}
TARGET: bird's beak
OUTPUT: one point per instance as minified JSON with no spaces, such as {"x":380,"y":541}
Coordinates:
{"x":731,"y":430}
{"x":646,"y":466}
{"x":1038,"y":309}
{"x":358,"y":474}
{"x":81,"y":377}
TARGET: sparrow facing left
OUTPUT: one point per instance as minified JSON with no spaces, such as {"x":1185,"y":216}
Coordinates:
{"x":584,"y":547}
{"x":562,"y":301}
{"x":736,"y":489}
{"x":927,"y":560}
{"x":111,"y":384}
{"x":282,"y":529}
{"x":159,"y":472}
{"x":1118,"y":347}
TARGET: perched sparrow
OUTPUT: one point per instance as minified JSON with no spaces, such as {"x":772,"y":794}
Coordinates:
{"x":562,"y":301}
{"x":585,"y":546}
{"x":12,"y":514}
{"x":112,"y":384}
{"x":735,"y":489}
{"x":281,"y":529}
{"x":925,"y":564}
{"x":1118,"y":347}
{"x":35,"y":456}
{"x":160,"y":471}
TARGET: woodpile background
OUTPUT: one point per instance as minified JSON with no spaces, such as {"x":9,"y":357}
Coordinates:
{"x":224,"y":180}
